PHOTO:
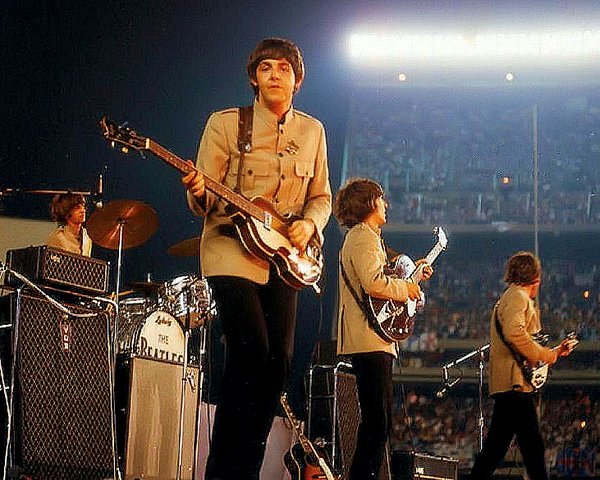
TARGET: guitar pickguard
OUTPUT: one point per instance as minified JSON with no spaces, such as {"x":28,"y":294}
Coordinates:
{"x":393,"y":320}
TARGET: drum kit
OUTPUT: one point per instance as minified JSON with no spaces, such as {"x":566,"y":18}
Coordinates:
{"x":154,"y":320}
{"x":151,"y":310}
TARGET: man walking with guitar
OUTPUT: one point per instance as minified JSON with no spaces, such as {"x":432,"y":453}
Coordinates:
{"x":514,"y":320}
{"x":360,"y":205}
{"x":256,"y":259}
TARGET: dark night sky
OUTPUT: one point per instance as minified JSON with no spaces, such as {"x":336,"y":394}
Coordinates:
{"x":163,"y":66}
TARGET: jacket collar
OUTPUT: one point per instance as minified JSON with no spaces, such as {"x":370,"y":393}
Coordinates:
{"x":269,"y":117}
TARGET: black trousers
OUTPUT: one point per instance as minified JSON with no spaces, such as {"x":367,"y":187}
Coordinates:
{"x":373,"y":372}
{"x":514,"y":414}
{"x":258,"y":323}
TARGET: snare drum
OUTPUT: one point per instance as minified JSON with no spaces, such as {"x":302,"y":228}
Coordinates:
{"x":188,"y":294}
{"x":158,"y":336}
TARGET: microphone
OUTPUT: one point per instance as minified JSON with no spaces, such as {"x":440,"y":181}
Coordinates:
{"x":99,"y":189}
{"x":442,"y":391}
{"x":445,"y":388}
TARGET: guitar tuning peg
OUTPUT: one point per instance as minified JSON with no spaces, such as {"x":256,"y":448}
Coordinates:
{"x":124,"y":150}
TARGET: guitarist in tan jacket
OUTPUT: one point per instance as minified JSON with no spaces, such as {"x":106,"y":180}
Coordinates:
{"x":286,"y":163}
{"x":360,"y":205}
{"x":514,"y":319}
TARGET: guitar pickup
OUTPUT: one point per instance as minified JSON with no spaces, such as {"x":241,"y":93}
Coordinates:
{"x":268,"y":221}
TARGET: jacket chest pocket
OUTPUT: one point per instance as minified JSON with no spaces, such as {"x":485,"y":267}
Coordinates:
{"x":254,"y":176}
{"x":303,"y":174}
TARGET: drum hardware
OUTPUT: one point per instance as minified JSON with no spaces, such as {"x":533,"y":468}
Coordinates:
{"x":188,"y":298}
{"x":186,"y":378}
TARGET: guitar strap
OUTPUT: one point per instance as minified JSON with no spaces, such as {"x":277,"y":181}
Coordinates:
{"x":244,"y":140}
{"x":360,"y":300}
{"x":517,"y":356}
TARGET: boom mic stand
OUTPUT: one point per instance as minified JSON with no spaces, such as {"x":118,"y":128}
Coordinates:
{"x":96,"y":193}
{"x":447,"y":384}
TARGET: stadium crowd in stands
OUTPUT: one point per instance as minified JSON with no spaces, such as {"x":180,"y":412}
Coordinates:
{"x":466,"y":158}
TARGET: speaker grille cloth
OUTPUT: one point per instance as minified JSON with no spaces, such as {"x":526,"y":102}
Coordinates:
{"x":348,"y":413}
{"x":63,"y":411}
{"x":76,"y":271}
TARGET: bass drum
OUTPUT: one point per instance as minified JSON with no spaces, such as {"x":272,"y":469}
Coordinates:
{"x":158,"y":336}
{"x":189,"y":294}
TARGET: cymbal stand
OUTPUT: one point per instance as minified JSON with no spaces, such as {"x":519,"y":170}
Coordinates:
{"x":115,"y":333}
{"x":448,"y":384}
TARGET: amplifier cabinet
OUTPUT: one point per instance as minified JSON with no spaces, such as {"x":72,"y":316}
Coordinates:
{"x":59,"y":268}
{"x":62,"y":416}
{"x":412,"y":466}
{"x":149,"y":400}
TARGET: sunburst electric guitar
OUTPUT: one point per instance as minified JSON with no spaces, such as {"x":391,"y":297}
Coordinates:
{"x":304,"y":461}
{"x":392,"y":320}
{"x":262,"y":230}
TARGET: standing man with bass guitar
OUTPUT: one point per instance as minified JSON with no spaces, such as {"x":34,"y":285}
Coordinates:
{"x":514,"y":320}
{"x":360,"y":205}
{"x":278,"y":153}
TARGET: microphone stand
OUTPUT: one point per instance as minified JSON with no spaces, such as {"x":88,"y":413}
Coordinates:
{"x":97,"y":193}
{"x":448,"y":384}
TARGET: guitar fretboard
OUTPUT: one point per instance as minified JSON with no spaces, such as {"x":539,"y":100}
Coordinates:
{"x":211,"y":184}
{"x":430,"y":258}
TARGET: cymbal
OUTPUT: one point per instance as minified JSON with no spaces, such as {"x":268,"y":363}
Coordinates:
{"x":147,"y":287}
{"x":139,"y":221}
{"x":186,"y":248}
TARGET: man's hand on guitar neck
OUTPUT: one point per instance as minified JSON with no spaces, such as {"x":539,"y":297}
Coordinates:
{"x":300,"y":233}
{"x":566,"y":346}
{"x":194,"y":182}
{"x":426,"y":269}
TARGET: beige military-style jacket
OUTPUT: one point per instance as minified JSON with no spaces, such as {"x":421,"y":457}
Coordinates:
{"x":519,"y":318}
{"x":287,"y":165}
{"x":363,"y":257}
{"x":65,"y":240}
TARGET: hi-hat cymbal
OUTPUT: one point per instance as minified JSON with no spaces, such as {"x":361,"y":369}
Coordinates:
{"x":139,"y":221}
{"x":186,"y":248}
{"x":147,"y":287}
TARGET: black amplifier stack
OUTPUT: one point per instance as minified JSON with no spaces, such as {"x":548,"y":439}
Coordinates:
{"x":62,"y":400}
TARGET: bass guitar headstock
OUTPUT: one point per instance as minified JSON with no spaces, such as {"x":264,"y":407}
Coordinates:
{"x":123,"y":137}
